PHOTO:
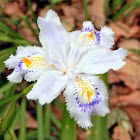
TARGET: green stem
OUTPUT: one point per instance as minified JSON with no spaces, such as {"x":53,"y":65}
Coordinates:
{"x":47,"y":125}
{"x":22,"y":134}
{"x":55,"y":120}
{"x":99,"y":131}
{"x":68,"y":128}
{"x":32,"y":12}
{"x":85,"y":3}
{"x":24,"y":92}
{"x":52,"y":5}
{"x":126,"y":9}
{"x":13,"y":136}
{"x":30,"y":27}
{"x":40,"y":122}
{"x":16,"y":119}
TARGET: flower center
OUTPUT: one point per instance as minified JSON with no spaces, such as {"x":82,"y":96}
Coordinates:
{"x":71,"y":73}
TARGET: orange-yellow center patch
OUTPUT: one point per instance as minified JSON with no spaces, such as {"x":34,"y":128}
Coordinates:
{"x":84,"y":89}
{"x":26,"y":61}
{"x":86,"y":36}
{"x":35,"y":60}
{"x":90,"y":35}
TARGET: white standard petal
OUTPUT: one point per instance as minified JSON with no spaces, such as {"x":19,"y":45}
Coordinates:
{"x":85,"y":96}
{"x":53,"y":36}
{"x":99,"y":61}
{"x":106,"y":37}
{"x":48,"y":87}
{"x":28,"y":61}
{"x":96,"y":39}
{"x":73,"y":57}
{"x":77,"y":50}
{"x":87,"y":38}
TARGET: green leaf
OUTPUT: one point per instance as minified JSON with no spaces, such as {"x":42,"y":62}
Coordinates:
{"x":32,"y":12}
{"x":12,"y":21}
{"x":26,"y":19}
{"x":55,"y":120}
{"x":40,"y":133}
{"x":99,"y":131}
{"x":24,"y":92}
{"x":16,"y":119}
{"x":57,"y":1}
{"x":7,"y":121}
{"x":6,"y":38}
{"x":6,"y":87}
{"x":12,"y":134}
{"x":31,"y":134}
{"x":47,"y":120}
{"x":22,"y":132}
{"x":7,"y":100}
{"x":55,"y":131}
{"x":106,"y":5}
{"x":4,"y":57}
{"x":59,"y":104}
{"x":2,"y":67}
{"x":135,"y":51}
{"x":9,"y":31}
{"x":68,"y":128}
{"x":117,"y":3}
{"x":7,"y":50}
{"x":126,"y":9}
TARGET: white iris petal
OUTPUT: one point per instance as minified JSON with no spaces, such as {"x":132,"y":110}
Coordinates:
{"x":68,"y":61}
{"x":48,"y":87}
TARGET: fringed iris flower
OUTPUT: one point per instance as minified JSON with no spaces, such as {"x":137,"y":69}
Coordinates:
{"x":68,"y":62}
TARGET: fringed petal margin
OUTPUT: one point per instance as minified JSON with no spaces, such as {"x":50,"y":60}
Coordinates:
{"x":82,"y":109}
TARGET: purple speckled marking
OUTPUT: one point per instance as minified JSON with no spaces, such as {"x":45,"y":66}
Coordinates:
{"x":97,"y":34}
{"x":87,"y":29}
{"x":19,"y":67}
{"x":86,"y":107}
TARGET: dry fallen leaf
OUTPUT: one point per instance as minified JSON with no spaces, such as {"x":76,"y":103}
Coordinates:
{"x":27,"y":33}
{"x":42,"y":13}
{"x":30,"y":122}
{"x":34,"y":7}
{"x":124,"y":30}
{"x":13,"y":10}
{"x":70,"y":11}
{"x":113,"y":77}
{"x":120,"y":134}
{"x":129,"y":44}
{"x":134,"y":115}
{"x":97,"y":14}
{"x":132,"y":99}
{"x":68,"y":23}
{"x":130,"y":73}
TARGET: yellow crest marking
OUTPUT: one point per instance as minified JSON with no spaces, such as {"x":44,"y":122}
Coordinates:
{"x":88,"y":36}
{"x":34,"y":60}
{"x":84,"y":88}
